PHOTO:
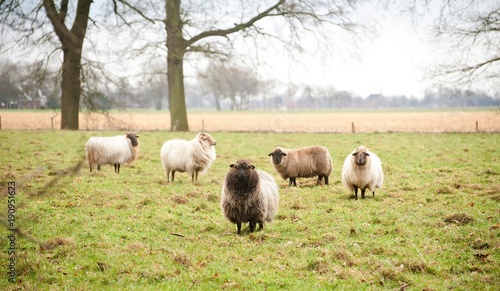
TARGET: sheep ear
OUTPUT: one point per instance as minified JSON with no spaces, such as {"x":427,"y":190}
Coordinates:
{"x":231,"y":166}
{"x":355,"y":153}
{"x":283,"y":154}
{"x":270,"y":154}
{"x":367,"y":154}
{"x":252,"y":166}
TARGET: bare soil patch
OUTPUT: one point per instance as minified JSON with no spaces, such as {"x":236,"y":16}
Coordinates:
{"x":328,"y":122}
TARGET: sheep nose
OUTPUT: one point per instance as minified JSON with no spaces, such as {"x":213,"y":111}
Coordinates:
{"x":360,"y":160}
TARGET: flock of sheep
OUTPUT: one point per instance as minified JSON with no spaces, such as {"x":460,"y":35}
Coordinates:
{"x":248,"y":194}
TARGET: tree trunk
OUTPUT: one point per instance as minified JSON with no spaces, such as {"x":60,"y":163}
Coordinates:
{"x":217,"y":103}
{"x":178,"y":113}
{"x":70,"y":90}
{"x":176,"y":46}
{"x":72,"y":43}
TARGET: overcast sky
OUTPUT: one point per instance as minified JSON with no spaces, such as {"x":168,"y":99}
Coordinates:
{"x":392,"y":62}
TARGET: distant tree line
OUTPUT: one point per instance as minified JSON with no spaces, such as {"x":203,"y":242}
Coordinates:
{"x":225,"y":88}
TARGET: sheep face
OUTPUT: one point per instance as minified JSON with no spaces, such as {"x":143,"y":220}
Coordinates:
{"x":360,"y":156}
{"x":277,"y":156}
{"x":242,"y":175}
{"x":133,"y":138}
{"x":207,"y":138}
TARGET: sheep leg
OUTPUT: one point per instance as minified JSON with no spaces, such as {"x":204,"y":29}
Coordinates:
{"x":363,"y":193}
{"x":321,"y":177}
{"x":194,"y":176}
{"x":238,"y":224}
{"x":261,"y":225}
{"x":173,"y":173}
{"x":292,"y":182}
{"x":90,"y":165}
{"x":117,"y":168}
{"x":252,"y":225}
{"x":355,"y":192}
{"x":98,"y":167}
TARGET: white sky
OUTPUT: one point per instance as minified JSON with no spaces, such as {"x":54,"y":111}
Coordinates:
{"x":391,"y":63}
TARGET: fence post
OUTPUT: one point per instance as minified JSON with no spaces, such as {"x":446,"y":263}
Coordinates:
{"x":52,"y":122}
{"x":352,"y":127}
{"x":477,"y":126}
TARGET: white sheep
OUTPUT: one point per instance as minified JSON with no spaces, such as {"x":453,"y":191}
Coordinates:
{"x":302,"y":162}
{"x":114,"y":150}
{"x":362,"y":170}
{"x":249,"y":195}
{"x":191,"y":156}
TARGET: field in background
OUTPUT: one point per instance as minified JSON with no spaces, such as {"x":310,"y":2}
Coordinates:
{"x":320,"y":121}
{"x":435,"y":224}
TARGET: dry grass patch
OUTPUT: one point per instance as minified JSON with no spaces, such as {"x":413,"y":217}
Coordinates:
{"x":320,"y":121}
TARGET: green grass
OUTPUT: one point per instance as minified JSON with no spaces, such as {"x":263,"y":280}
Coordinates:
{"x":435,"y":224}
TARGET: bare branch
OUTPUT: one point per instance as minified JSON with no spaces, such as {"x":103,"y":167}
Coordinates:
{"x":59,"y":27}
{"x":236,"y":28}
{"x":136,"y":10}
{"x":64,"y":10}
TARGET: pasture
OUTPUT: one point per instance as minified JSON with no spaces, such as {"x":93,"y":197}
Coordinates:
{"x":338,"y":121}
{"x":434,"y":225}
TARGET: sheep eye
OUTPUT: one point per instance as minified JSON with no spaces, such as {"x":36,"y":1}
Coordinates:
{"x":231,"y":166}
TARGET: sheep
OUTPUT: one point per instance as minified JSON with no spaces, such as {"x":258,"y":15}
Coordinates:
{"x":191,"y":156}
{"x":249,"y":195}
{"x":114,"y":150}
{"x":362,"y":170}
{"x":303,"y":162}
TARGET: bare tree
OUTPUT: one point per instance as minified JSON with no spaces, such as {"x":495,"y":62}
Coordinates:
{"x":186,"y":33}
{"x":27,"y":18}
{"x":228,"y":80}
{"x":71,"y":39}
{"x":470,"y":31}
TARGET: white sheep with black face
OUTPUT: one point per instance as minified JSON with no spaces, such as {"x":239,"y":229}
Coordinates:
{"x":302,"y":162}
{"x":191,"y":156}
{"x":362,"y":170}
{"x":114,"y":150}
{"x":249,"y":195}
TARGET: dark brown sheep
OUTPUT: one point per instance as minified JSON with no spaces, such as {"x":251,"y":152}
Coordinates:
{"x":249,"y":195}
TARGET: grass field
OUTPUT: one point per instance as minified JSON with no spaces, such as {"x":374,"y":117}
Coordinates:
{"x":435,"y":225}
{"x":341,"y":121}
